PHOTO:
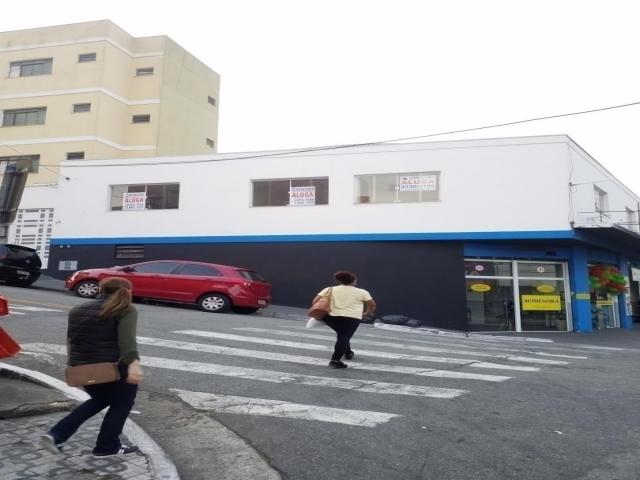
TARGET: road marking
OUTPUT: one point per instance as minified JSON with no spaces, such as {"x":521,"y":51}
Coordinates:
{"x":459,"y":344}
{"x":22,"y":300}
{"x":13,"y":312}
{"x":405,"y":346}
{"x":33,"y":309}
{"x":283,"y":357}
{"x":277,"y":408}
{"x":366,"y":386}
{"x":369,"y":353}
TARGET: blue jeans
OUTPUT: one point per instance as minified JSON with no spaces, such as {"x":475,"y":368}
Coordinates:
{"x":344,"y":327}
{"x":118,"y":396}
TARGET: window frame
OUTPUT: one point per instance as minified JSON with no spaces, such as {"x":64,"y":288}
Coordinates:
{"x":360,"y":198}
{"x":87,"y":57}
{"x":75,"y":156}
{"x":145,"y":71}
{"x":19,"y":64}
{"x":74,"y":107}
{"x":149,"y":200}
{"x":34,"y":166}
{"x":140,"y":118}
{"x":26,"y":111}
{"x":291,"y":180}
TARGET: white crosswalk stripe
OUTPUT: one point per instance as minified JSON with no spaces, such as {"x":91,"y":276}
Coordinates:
{"x":30,"y":308}
{"x":283,"y":357}
{"x":367,"y":386}
{"x":436,"y":340}
{"x":277,"y":408}
{"x":405,"y":346}
{"x":366,"y":353}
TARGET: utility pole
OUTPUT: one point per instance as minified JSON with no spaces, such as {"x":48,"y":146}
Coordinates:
{"x":14,"y":177}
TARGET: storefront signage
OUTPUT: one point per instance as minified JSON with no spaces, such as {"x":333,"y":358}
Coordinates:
{"x":583,"y":296}
{"x":545,"y":288}
{"x":480,"y":287}
{"x":416,"y":183}
{"x":541,"y":302}
{"x":635,"y":274}
{"x":134,"y":201}
{"x":302,"y":196}
{"x":68,"y":265}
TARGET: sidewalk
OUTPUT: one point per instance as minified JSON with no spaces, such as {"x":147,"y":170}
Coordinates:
{"x":28,"y":407}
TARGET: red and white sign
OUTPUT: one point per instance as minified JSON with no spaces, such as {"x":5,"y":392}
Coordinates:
{"x":134,"y":201}
{"x":302,"y":196}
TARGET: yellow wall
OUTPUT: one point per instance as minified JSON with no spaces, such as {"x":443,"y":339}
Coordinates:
{"x":175,"y":96}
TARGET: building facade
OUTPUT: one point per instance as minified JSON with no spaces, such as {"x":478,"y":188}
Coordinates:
{"x":485,"y":235}
{"x":92,"y":91}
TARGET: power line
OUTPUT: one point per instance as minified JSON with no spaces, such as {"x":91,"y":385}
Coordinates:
{"x":379,"y":142}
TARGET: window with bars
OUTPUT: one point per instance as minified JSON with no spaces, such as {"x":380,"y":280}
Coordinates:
{"x":30,"y":68}
{"x":86,"y":57}
{"x":160,"y":196}
{"x":81,"y":107}
{"x":24,"y":116}
{"x":129,"y":251}
{"x":141,"y":118}
{"x":144,"y":72}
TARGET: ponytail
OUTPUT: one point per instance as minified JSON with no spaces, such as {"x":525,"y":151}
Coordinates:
{"x":118,"y":293}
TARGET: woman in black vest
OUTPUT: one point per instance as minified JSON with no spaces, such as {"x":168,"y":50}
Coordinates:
{"x":103,"y":330}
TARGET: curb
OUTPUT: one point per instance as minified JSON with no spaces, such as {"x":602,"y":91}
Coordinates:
{"x":162,"y":468}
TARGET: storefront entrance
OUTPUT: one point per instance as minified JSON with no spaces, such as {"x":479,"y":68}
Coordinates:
{"x":515,"y":295}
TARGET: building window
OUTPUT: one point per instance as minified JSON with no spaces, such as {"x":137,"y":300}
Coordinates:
{"x":24,"y":116}
{"x":31,"y":68}
{"x":75,"y":156}
{"x":398,"y":187}
{"x":129,"y":251}
{"x":141,"y":118}
{"x":292,"y":191}
{"x":81,"y":107}
{"x":143,"y":72}
{"x":86,"y":57}
{"x":211,"y":100}
{"x":601,"y":201}
{"x":210,"y":143}
{"x":30,"y":162}
{"x":144,"y":197}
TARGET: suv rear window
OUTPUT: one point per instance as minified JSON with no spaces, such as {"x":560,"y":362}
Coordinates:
{"x":251,"y":275}
{"x":16,"y":253}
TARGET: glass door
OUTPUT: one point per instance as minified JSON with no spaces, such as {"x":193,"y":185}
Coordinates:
{"x":542,"y":295}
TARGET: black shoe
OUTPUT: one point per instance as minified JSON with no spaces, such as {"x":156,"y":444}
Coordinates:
{"x":349,"y":355}
{"x":123,"y":450}
{"x":337,"y":364}
{"x":48,"y":442}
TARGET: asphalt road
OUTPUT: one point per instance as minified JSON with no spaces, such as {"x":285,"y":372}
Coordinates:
{"x":414,"y":407}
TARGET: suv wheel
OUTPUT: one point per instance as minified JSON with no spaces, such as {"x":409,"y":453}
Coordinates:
{"x":87,"y":289}
{"x":214,"y":302}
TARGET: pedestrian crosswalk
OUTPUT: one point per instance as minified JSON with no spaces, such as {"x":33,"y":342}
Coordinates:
{"x":15,"y":309}
{"x":387,"y":364}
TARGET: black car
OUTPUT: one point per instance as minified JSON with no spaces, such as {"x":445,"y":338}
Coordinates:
{"x":19,"y":266}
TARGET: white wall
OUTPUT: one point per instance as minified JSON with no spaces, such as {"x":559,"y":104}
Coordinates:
{"x":516,"y":184}
{"x":586,"y":174}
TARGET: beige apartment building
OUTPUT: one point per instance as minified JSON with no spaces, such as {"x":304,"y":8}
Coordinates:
{"x":92,"y":91}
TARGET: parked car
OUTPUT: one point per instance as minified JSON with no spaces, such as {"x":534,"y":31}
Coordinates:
{"x":19,"y":266}
{"x":215,"y":288}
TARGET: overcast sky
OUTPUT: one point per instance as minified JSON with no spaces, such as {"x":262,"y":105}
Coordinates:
{"x":299,"y":73}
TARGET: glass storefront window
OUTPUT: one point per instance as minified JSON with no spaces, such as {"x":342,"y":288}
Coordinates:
{"x":486,"y":268}
{"x":548,"y":270}
{"x":542,"y":304}
{"x":490,"y":304}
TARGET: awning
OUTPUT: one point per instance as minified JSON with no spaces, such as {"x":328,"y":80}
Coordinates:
{"x":614,"y":237}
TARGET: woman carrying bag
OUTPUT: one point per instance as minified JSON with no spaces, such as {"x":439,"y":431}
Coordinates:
{"x":347,"y":306}
{"x":102,"y":331}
